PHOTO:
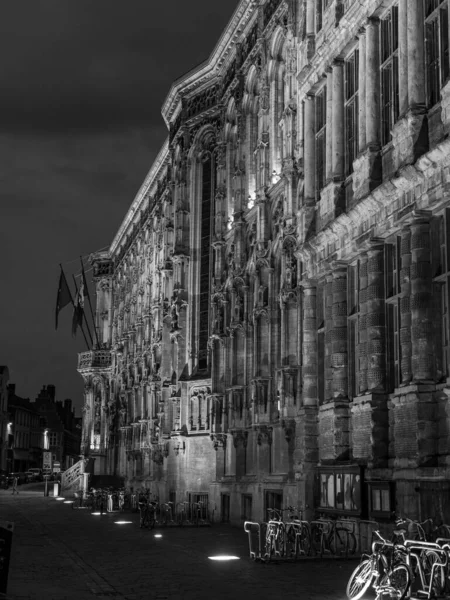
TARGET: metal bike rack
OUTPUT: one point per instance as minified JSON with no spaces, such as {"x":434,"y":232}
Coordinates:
{"x":253,"y":531}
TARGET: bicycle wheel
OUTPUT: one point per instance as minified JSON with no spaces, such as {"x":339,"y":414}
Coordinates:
{"x":399,"y":577}
{"x":291,"y":538}
{"x":429,"y":558}
{"x":316,"y":539}
{"x":305,"y":541}
{"x":270,"y":542}
{"x":339,"y":542}
{"x":360,"y":580}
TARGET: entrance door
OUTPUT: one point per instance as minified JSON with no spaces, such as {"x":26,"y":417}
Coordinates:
{"x":225,"y":508}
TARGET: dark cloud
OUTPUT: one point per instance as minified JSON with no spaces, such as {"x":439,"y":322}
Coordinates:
{"x":80,"y":125}
{"x":97,"y":64}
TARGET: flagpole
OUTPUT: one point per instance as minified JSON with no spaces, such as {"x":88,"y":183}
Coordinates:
{"x":81,"y":325}
{"x":89,"y":300}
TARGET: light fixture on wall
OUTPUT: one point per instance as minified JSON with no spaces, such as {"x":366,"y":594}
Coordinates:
{"x":180,"y":447}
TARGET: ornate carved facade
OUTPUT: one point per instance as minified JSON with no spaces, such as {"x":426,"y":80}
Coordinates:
{"x":273,"y":311}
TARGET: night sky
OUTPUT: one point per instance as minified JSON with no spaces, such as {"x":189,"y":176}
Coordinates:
{"x":83,"y":82}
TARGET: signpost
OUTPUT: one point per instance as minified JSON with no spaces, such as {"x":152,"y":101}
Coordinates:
{"x":46,"y":461}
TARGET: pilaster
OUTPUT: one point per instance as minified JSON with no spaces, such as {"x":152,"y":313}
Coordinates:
{"x":309,"y":346}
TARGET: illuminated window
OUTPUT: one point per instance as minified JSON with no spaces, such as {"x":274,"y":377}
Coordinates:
{"x":340,"y":489}
{"x":381,"y":499}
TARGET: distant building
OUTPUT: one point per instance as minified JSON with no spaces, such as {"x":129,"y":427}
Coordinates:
{"x":63,"y":428}
{"x":25,"y":434}
{"x":4,"y":377}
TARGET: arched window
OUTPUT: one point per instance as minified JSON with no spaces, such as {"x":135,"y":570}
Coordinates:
{"x":206,"y":221}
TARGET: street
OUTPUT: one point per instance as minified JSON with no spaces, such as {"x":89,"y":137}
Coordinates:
{"x":64,"y":554}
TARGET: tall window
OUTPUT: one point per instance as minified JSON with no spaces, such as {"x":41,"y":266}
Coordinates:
{"x":389,"y":73}
{"x":321,"y":7}
{"x":321,"y":122}
{"x":440,"y":236}
{"x":436,"y":48}
{"x":320,"y":315}
{"x":392,"y":286}
{"x":353,"y":329}
{"x":205,"y":263}
{"x":351,"y":110}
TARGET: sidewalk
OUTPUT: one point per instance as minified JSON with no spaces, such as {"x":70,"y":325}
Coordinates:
{"x":64,"y":554}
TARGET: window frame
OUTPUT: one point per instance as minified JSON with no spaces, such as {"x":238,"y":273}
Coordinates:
{"x":389,"y":74}
{"x":381,"y":486}
{"x":437,"y":68}
{"x":351,"y":106}
{"x":320,"y":138}
{"x":347,"y":474}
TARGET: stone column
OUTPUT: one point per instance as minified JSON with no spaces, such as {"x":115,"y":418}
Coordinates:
{"x":372,"y":82}
{"x":309,"y":346}
{"x":421,"y":301}
{"x":376,"y":326}
{"x":309,"y":148}
{"x":329,"y":147}
{"x":337,"y":133}
{"x":305,"y":455}
{"x":339,"y":333}
{"x":362,"y":346}
{"x":367,"y":165}
{"x":415,"y":49}
{"x":403,"y":55}
{"x":362,"y":91}
{"x":328,"y":295}
{"x":405,"y":310}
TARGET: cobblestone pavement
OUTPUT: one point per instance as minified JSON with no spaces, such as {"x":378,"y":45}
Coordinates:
{"x":64,"y":554}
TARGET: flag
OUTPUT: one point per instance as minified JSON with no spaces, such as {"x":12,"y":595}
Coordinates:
{"x":64,"y":296}
{"x":78,"y":309}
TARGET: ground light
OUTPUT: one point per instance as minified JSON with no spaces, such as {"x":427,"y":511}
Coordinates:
{"x":96,"y":514}
{"x":158,"y":535}
{"x":122,"y":522}
{"x":68,"y":501}
{"x":224,"y":557}
{"x":59,"y":498}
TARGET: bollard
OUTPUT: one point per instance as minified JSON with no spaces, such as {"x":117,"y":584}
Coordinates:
{"x":56,"y":489}
{"x":46,"y":486}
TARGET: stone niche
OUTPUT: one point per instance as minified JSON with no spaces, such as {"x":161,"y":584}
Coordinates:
{"x":414,"y":428}
{"x":370,"y":441}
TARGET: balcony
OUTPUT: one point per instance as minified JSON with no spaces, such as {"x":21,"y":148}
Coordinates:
{"x":94,"y":359}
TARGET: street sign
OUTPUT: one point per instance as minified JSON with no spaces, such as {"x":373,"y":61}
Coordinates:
{"x":46,"y":461}
{"x":56,"y":467}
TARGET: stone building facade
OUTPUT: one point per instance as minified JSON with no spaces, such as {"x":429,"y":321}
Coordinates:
{"x":273,"y":311}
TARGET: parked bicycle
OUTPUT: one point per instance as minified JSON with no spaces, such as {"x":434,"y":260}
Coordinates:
{"x":387,"y":567}
{"x":337,"y":537}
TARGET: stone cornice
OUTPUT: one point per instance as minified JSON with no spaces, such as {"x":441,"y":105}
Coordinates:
{"x":211,"y":67}
{"x":141,"y":200}
{"x":384,"y":210}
